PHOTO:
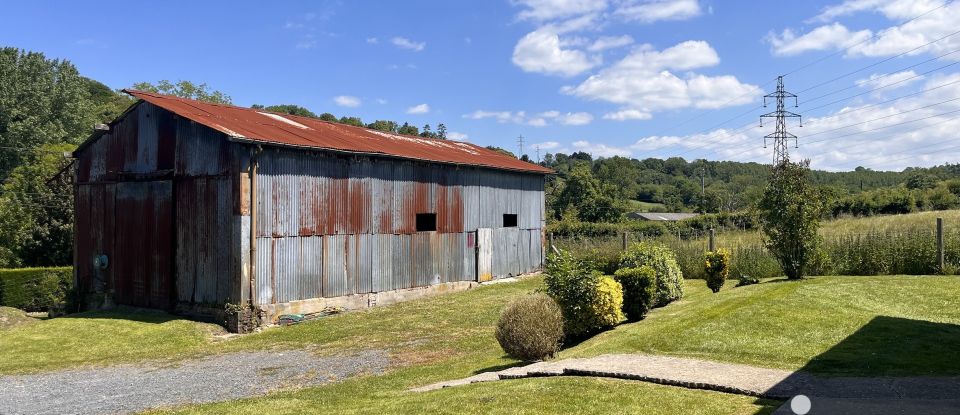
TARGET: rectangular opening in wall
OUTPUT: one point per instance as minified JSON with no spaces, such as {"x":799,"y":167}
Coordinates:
{"x":509,"y":220}
{"x":426,"y":222}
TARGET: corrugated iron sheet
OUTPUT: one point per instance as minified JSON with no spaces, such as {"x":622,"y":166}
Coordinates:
{"x":247,"y":124}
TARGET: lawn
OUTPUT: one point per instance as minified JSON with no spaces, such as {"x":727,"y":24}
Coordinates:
{"x":891,"y":325}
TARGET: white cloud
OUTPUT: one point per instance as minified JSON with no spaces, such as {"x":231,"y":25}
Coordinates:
{"x":381,"y":101}
{"x":610,"y":42}
{"x":347,"y":101}
{"x":455,"y":136}
{"x":547,"y":145}
{"x":575,"y":118}
{"x":541,"y":51}
{"x":600,"y":149}
{"x":643,"y":82}
{"x":903,"y":36}
{"x":834,"y":36}
{"x":882,"y":137}
{"x":897,"y":80}
{"x":404,"y":43}
{"x":373,"y":40}
{"x":541,"y":10}
{"x":418,"y":109}
{"x":649,"y":11}
{"x":538,"y":120}
{"x":627,"y":114}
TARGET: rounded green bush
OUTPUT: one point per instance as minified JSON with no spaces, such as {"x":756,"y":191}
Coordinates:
{"x":590,"y":302}
{"x":664,"y":263}
{"x":639,"y":288}
{"x":531,"y":328}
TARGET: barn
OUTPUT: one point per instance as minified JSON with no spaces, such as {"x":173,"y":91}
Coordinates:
{"x":205,"y":209}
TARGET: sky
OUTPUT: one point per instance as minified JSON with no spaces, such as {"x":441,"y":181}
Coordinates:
{"x":878,"y":81}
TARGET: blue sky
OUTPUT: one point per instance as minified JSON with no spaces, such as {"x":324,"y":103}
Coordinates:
{"x":618,"y":77}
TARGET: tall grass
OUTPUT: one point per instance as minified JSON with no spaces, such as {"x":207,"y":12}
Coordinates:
{"x":880,"y":245}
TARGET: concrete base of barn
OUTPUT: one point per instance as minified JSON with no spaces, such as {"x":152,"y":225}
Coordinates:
{"x":272,"y":312}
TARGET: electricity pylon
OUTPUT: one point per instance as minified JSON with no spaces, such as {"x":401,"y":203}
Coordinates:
{"x":780,"y":136}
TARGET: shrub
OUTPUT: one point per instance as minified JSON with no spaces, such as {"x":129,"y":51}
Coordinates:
{"x":531,"y":328}
{"x":639,"y":288}
{"x":663,"y":262}
{"x":35,"y":289}
{"x":589,"y":301}
{"x":716,"y":264}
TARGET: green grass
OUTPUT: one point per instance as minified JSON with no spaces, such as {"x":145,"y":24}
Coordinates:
{"x":862,"y":326}
{"x":892,"y":325}
{"x":639,"y":205}
{"x":101,"y":338}
{"x":13,"y":317}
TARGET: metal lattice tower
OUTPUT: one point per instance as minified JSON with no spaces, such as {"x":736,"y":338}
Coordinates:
{"x":780,"y":136}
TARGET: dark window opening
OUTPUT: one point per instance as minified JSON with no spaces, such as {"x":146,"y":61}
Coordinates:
{"x":426,"y":222}
{"x":509,"y":220}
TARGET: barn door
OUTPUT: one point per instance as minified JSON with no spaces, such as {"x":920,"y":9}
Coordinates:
{"x":484,"y":254}
{"x":144,"y":244}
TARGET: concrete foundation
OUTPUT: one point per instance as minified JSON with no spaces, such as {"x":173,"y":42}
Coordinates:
{"x":272,"y":312}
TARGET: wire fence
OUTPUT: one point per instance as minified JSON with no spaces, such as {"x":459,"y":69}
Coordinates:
{"x":912,"y":249}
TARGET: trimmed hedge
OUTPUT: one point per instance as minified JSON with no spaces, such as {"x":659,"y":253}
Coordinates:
{"x":36,"y":289}
{"x":716,"y":265}
{"x":639,"y":288}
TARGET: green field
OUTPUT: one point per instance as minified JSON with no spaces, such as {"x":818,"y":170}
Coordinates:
{"x":641,"y":206}
{"x":826,"y":325}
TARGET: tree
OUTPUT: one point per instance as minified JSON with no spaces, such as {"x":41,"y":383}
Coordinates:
{"x":920,"y":180}
{"x":328,"y":117}
{"x":108,"y":104}
{"x":185,"y":89}
{"x":790,"y":211}
{"x":383,"y":125}
{"x":286,"y":109}
{"x":426,"y":131}
{"x":408,"y":129}
{"x":442,"y":131}
{"x":354,"y":121}
{"x":594,"y":201}
{"x":36,"y":211}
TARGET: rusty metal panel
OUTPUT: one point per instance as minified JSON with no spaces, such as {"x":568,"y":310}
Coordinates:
{"x":93,"y":235}
{"x":144,"y":244}
{"x":381,"y":262}
{"x":251,"y":125}
{"x":471,"y":199}
{"x":200,"y":151}
{"x":335,"y":276}
{"x":359,"y":261}
{"x":382,"y":197}
{"x":404,"y":219}
{"x":403,"y":276}
{"x":207,"y":260}
{"x":358,"y":197}
{"x":264,"y":270}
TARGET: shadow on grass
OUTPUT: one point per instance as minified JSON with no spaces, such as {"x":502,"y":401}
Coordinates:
{"x":886,"y":347}
{"x":498,"y":368}
{"x":140,"y":315}
{"x":891,"y":346}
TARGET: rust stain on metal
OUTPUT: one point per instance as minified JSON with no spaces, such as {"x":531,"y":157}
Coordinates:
{"x":251,"y":125}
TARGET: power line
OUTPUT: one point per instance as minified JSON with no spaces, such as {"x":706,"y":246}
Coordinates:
{"x":881,"y":118}
{"x":878,"y":63}
{"x":880,"y":33}
{"x":879,"y":87}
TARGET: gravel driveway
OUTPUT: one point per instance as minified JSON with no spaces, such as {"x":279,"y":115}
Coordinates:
{"x":132,"y":388}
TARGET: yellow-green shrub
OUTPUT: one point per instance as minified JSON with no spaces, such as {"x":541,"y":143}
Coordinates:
{"x":716,"y":265}
{"x":589,"y":301}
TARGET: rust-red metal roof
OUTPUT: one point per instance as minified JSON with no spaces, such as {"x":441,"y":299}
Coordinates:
{"x":250,"y":125}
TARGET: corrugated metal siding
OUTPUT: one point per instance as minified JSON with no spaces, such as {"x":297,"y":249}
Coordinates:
{"x":207,"y":245}
{"x":144,"y":244}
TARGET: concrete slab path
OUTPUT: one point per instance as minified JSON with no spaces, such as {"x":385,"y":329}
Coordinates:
{"x":942,"y":394}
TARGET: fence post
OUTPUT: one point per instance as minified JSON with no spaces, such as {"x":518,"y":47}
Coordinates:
{"x":623,"y":244}
{"x":940,"y":259}
{"x":711,"y":245}
{"x":551,"y":241}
